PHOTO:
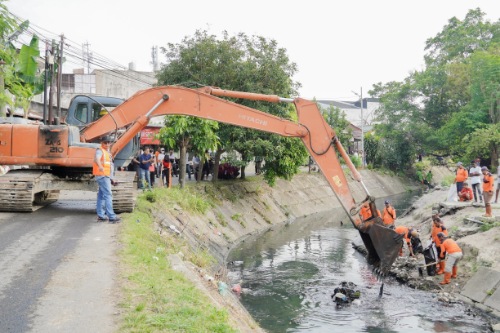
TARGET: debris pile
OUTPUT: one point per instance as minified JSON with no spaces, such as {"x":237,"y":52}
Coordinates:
{"x":345,"y":293}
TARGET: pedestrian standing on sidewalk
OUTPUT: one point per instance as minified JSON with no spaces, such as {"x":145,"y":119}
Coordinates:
{"x":488,"y":185}
{"x":475,"y":181}
{"x":145,"y":161}
{"x":102,"y":169}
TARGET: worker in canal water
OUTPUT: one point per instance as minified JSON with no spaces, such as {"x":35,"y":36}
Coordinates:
{"x":453,"y":253}
{"x":365,"y":213}
{"x":389,"y":214}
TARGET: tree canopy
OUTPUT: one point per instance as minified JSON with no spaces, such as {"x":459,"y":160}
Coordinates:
{"x":243,"y":63}
{"x":448,"y":107}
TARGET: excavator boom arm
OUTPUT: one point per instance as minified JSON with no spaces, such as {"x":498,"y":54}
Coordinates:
{"x":318,"y":137}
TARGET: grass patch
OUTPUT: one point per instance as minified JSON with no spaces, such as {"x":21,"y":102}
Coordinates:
{"x":220,"y":217}
{"x":447,"y":180}
{"x":157,"y":298}
{"x":487,"y":226}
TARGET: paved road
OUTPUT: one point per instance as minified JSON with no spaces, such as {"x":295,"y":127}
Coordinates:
{"x":56,"y":269}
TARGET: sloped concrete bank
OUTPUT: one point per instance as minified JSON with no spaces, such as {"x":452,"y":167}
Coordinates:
{"x":252,"y":207}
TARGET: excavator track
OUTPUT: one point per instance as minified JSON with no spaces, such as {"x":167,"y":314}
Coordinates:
{"x":18,"y":191}
{"x":27,"y":190}
{"x":124,"y":192}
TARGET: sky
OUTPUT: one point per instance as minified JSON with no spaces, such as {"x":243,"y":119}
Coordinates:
{"x":341,"y":48}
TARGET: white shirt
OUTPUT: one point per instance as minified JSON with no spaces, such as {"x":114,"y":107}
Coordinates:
{"x":475,"y":179}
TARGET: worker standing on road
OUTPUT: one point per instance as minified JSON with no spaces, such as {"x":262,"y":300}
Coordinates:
{"x":389,"y":214}
{"x":454,"y":252}
{"x":488,"y":184}
{"x":103,"y":171}
{"x":437,"y":227}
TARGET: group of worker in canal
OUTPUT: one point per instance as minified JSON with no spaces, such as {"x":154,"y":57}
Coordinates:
{"x":448,"y":251}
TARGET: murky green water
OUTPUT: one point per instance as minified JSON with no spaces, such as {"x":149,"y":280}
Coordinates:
{"x":289,"y":274}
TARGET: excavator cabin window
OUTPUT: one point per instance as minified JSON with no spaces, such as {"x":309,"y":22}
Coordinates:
{"x":81,"y":113}
{"x":99,"y":110}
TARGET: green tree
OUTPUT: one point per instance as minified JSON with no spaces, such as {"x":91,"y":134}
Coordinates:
{"x":337,"y":120}
{"x":183,"y":133}
{"x":19,"y":78}
{"x":240,"y":63}
{"x":484,"y":142}
{"x":432,"y":110}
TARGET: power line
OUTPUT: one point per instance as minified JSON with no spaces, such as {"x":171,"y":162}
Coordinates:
{"x":73,"y":50}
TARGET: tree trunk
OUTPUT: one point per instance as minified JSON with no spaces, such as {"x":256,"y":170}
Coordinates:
{"x":218,"y":153}
{"x":182,"y":164}
{"x":199,"y":173}
{"x":242,"y":172}
{"x":242,"y":169}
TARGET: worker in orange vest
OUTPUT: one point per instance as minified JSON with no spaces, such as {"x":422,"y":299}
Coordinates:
{"x":461,"y":176}
{"x":437,"y":227}
{"x":389,"y":214}
{"x":450,"y":247}
{"x":488,"y":184}
{"x":103,"y":171}
{"x":365,"y":212}
{"x":407,"y":233}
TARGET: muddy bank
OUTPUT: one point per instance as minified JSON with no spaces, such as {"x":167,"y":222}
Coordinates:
{"x":252,"y":207}
{"x":476,"y":235}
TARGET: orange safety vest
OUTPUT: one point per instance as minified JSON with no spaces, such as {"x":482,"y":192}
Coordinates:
{"x":449,"y":246}
{"x":462,"y":175}
{"x":389,"y":215}
{"x":402,"y":230}
{"x":464,"y":192}
{"x":488,"y":185}
{"x":366,"y":213}
{"x":436,"y":231}
{"x":106,"y":163}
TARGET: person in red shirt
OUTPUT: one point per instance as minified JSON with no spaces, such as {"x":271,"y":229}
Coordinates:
{"x":450,"y":247}
{"x":466,"y":193}
{"x":488,"y":184}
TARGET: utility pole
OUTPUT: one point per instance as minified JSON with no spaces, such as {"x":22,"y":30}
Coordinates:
{"x":87,"y":57}
{"x":46,"y":80}
{"x":51,"y":86}
{"x":154,"y":59}
{"x":363,"y":159}
{"x":59,"y":80}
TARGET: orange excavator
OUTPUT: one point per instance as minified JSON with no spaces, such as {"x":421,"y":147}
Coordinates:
{"x":63,"y":154}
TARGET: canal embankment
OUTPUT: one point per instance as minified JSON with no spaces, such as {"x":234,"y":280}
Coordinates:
{"x":248,"y":208}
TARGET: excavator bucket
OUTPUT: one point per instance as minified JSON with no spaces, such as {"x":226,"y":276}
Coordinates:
{"x":383,"y":245}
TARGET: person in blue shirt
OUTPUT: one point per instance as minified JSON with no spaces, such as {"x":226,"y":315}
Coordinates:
{"x":145,"y":161}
